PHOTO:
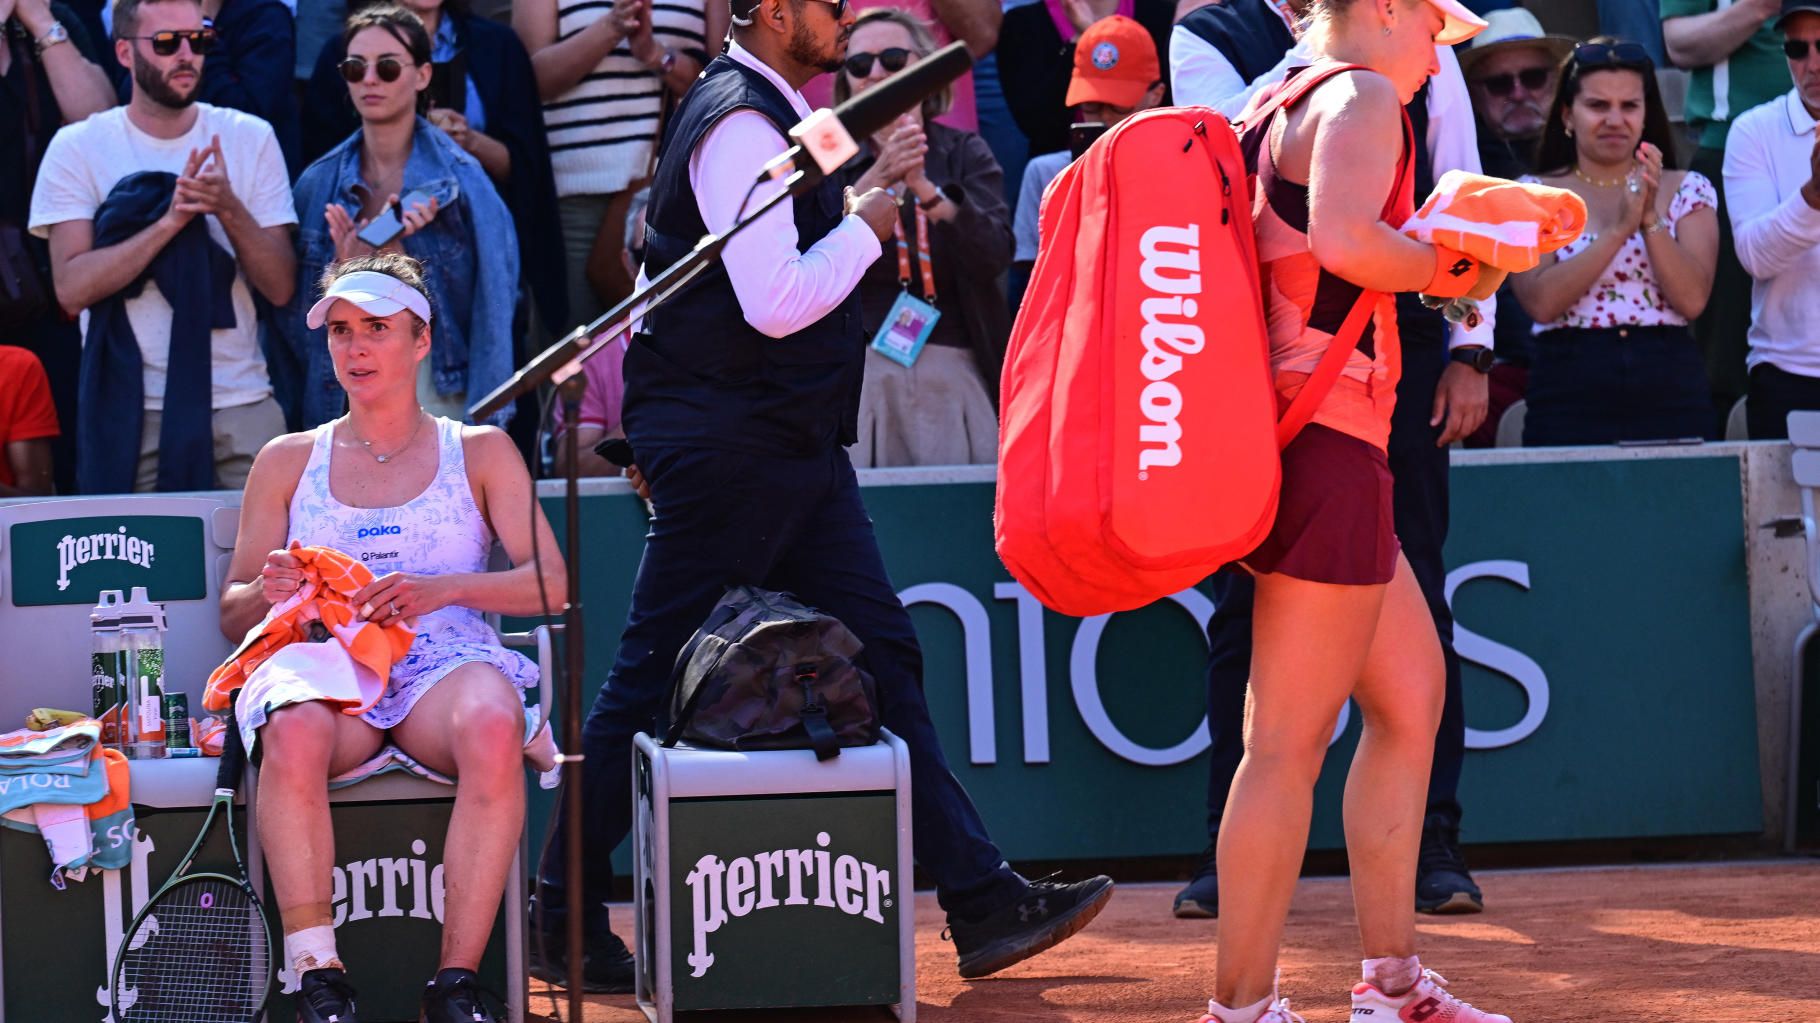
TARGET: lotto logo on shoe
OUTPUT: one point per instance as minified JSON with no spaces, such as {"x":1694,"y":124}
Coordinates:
{"x":723,"y":891}
{"x":379,"y":531}
{"x":1171,"y":273}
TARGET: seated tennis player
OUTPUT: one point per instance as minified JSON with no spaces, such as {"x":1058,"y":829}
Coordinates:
{"x":420,"y":501}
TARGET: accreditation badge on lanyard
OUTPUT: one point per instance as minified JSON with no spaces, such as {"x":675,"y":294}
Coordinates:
{"x":911,"y":320}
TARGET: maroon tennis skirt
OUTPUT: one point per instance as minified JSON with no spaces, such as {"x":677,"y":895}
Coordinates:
{"x":1334,"y":519}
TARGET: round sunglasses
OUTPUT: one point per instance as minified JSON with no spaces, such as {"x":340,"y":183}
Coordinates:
{"x":354,"y":69}
{"x":859,"y":65}
{"x":164,"y":44}
{"x":1533,"y":79}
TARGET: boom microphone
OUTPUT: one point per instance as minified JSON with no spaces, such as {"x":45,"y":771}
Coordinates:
{"x":827,"y":137}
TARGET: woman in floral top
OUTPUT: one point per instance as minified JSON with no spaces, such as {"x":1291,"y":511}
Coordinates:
{"x":1614,"y":359}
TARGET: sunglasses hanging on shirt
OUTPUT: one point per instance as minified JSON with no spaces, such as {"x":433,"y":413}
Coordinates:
{"x":164,"y":44}
{"x":859,"y":65}
{"x":354,"y":69}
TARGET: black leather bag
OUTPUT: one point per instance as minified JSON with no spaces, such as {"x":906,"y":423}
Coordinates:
{"x":765,"y":672}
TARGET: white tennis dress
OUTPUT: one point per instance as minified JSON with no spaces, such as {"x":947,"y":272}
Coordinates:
{"x":438,"y":532}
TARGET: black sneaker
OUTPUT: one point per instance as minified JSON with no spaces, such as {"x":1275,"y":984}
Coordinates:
{"x":1043,"y":917}
{"x":607,"y":966}
{"x":325,"y":996}
{"x":1442,"y":882}
{"x":454,"y":997}
{"x":1201,"y":899}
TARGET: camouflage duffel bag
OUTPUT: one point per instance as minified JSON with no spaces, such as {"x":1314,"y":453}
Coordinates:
{"x":765,"y":672}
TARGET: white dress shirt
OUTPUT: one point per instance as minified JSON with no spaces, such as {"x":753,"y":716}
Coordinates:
{"x":1200,"y":75}
{"x":781,"y":289}
{"x":1768,"y":157}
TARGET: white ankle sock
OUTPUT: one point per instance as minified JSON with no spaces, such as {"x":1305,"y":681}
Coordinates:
{"x":1393,"y":975}
{"x":1248,"y":1014}
{"x":312,"y":948}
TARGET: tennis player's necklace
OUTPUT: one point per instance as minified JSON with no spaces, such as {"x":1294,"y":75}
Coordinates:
{"x":382,"y":459}
{"x":1583,"y":176}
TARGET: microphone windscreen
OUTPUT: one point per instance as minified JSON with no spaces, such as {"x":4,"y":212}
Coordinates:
{"x":877,"y":107}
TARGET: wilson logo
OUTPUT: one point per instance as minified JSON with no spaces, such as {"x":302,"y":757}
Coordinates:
{"x":1171,"y":271}
{"x":379,"y":531}
{"x":75,"y":551}
{"x":736,"y":888}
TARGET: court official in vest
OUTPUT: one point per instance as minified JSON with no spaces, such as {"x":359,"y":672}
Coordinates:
{"x":741,"y":397}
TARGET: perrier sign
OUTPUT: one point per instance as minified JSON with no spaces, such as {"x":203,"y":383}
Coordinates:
{"x":70,"y":561}
{"x":784,"y":901}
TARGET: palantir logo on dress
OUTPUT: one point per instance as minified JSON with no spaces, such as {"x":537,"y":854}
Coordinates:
{"x":1172,"y":266}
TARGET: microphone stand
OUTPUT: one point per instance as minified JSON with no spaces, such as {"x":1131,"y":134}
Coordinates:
{"x":560,"y":364}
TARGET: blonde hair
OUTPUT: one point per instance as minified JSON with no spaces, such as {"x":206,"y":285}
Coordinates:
{"x":922,"y":44}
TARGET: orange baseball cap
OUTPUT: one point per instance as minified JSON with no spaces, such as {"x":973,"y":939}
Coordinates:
{"x":1115,"y":63}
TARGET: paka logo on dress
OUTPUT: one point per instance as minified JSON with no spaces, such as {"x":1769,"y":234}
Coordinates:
{"x":1172,"y":267}
{"x":76,"y":551}
{"x":746,"y":884}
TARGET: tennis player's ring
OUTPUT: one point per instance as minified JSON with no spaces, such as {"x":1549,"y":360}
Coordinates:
{"x":394,"y":608}
{"x":208,"y":900}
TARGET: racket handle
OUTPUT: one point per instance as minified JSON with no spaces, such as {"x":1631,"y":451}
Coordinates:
{"x":233,"y":756}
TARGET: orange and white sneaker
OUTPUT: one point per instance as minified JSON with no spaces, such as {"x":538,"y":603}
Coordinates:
{"x":1428,"y":1002}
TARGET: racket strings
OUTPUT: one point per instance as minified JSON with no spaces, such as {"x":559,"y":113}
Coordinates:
{"x":201,"y":954}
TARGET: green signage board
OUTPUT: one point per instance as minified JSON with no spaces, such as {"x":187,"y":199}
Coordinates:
{"x":1603,"y":622}
{"x":784,"y":901}
{"x":387,"y":889}
{"x":70,"y":561}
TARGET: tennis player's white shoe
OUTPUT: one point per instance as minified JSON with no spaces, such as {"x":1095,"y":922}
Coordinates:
{"x":1428,"y":1002}
{"x":1277,"y":1013}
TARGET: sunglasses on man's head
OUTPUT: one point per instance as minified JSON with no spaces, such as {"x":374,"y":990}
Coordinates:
{"x":1534,"y":79}
{"x":201,"y":41}
{"x":1591,"y":56}
{"x":859,"y":65}
{"x":354,"y":69}
{"x":1796,"y":49}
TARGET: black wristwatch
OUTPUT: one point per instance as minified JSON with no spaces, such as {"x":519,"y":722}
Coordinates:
{"x":1479,"y":357}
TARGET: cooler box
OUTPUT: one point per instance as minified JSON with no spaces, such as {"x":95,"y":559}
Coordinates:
{"x":770,"y":880}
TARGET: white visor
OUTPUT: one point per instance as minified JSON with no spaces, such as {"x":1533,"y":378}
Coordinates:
{"x":375,"y":293}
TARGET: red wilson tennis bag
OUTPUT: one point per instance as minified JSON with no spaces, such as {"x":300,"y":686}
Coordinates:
{"x":1139,"y":435}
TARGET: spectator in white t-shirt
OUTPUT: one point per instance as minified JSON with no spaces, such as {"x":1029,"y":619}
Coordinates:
{"x":1772,"y":192}
{"x":229,"y":171}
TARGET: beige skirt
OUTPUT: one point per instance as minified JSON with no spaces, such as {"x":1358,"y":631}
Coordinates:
{"x":936,"y":412}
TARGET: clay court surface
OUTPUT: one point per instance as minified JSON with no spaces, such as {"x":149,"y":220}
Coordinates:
{"x":1688,"y":944}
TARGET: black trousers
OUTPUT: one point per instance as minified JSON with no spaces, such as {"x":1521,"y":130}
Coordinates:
{"x":1774,"y":393}
{"x":1420,"y":499}
{"x":784,"y":523}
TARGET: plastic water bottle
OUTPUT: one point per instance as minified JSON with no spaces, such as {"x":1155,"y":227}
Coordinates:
{"x":142,"y":635}
{"x":107,"y":669}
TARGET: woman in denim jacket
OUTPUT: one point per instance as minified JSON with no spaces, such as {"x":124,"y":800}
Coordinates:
{"x":463,"y":234}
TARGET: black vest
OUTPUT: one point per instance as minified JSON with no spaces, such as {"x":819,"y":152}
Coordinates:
{"x":1248,"y":33}
{"x":704,"y":377}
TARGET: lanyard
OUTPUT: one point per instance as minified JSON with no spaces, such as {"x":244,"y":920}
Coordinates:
{"x":923,"y":264}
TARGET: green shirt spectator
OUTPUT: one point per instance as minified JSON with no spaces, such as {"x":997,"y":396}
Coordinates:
{"x":1735,"y":55}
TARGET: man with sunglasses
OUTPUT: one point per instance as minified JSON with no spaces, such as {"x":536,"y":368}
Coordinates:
{"x":166,"y":309}
{"x":742,"y":393}
{"x":1772,"y":185}
{"x":1736,"y":58}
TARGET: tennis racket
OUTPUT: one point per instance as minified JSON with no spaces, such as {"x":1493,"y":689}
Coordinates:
{"x":201,"y":949}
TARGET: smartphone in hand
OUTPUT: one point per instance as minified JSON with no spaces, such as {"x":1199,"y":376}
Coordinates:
{"x":389,"y":224}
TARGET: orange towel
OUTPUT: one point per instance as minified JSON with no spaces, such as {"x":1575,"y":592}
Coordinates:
{"x":1505,"y":224}
{"x":330,"y":581}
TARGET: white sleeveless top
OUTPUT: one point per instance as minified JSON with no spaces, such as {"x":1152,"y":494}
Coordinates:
{"x":438,"y":532}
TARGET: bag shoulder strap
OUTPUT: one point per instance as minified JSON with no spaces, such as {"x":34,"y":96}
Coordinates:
{"x":1333,"y":361}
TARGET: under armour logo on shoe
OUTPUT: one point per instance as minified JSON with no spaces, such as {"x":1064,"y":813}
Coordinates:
{"x":1460,"y":268}
{"x":1039,"y":910}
